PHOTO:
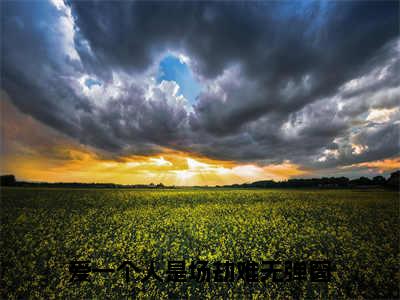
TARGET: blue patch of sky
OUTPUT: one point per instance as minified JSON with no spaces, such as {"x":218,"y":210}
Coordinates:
{"x":91,"y":82}
{"x":172,"y":69}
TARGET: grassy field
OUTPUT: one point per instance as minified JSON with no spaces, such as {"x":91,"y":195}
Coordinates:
{"x":43,"y":229}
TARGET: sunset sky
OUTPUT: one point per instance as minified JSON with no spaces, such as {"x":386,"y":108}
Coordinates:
{"x":199,"y":93}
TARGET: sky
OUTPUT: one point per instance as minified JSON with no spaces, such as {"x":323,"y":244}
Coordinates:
{"x":199,"y":93}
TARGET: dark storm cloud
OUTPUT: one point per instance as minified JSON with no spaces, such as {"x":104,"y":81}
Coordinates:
{"x":275,"y":43}
{"x":265,"y":140}
{"x":271,"y":72}
{"x":32,"y":66}
{"x":382,"y":142}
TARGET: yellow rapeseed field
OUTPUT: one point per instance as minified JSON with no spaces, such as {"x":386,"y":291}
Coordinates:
{"x":43,"y":230}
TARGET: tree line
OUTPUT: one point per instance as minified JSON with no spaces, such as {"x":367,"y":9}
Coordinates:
{"x":328,"y":182}
{"x":393,"y":182}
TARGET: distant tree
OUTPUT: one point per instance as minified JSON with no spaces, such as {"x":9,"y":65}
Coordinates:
{"x":7,"y":180}
{"x":379,"y":180}
{"x":361,"y":181}
{"x":394,"y":180}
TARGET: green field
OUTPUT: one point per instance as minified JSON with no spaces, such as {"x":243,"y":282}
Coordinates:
{"x":43,"y":229}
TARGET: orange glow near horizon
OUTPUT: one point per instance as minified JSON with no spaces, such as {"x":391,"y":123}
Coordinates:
{"x":381,"y":166}
{"x":34,"y":152}
{"x":168,"y":168}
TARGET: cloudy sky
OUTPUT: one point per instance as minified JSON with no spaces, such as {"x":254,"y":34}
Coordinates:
{"x":199,"y":92}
